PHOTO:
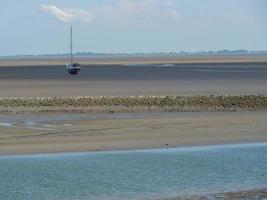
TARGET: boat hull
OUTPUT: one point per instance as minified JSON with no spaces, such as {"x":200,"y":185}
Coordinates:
{"x":73,"y":69}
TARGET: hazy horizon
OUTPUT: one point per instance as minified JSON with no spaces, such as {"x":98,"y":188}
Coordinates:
{"x":39,"y":27}
{"x":218,"y":52}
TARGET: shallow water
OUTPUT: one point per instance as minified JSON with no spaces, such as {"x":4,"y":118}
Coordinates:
{"x":134,"y":174}
{"x":47,"y":121}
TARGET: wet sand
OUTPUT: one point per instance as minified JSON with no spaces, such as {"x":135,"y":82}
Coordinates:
{"x":135,"y":80}
{"x":128,"y":131}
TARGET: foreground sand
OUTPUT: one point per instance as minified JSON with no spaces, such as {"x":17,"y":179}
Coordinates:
{"x":133,"y":131}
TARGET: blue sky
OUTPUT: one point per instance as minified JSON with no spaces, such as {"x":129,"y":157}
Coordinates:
{"x":111,"y":26}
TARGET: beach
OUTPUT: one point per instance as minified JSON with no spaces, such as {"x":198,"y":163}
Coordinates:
{"x":133,"y":100}
{"x":161,"y":115}
{"x":132,"y":103}
{"x":35,"y":133}
{"x":135,"y":77}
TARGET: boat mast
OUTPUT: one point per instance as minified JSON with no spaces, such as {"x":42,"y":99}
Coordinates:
{"x":71,"y":47}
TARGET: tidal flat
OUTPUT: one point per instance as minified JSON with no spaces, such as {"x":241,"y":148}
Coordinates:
{"x":49,"y":133}
{"x":167,"y":79}
{"x":83,"y":137}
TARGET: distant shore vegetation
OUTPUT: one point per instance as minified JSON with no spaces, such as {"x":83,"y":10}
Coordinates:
{"x":135,"y":104}
{"x":181,"y":53}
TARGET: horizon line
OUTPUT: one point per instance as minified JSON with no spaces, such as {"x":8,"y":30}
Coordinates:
{"x":83,"y":53}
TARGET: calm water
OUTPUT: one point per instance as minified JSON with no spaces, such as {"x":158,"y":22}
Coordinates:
{"x":134,"y":174}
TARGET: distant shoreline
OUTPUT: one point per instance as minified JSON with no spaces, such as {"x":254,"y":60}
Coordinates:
{"x":115,"y":104}
{"x":224,"y":52}
{"x":134,"y":59}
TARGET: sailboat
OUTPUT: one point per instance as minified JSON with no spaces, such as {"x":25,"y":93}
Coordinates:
{"x":72,"y":68}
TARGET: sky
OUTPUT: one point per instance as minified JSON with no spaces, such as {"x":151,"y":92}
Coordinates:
{"x":131,"y":26}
